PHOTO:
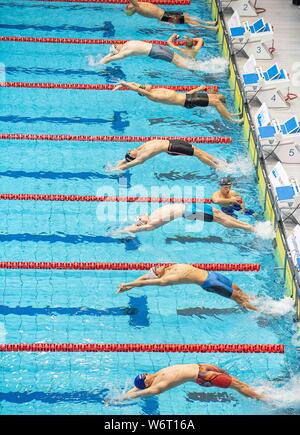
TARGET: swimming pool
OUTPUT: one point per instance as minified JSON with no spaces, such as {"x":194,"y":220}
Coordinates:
{"x":82,"y":306}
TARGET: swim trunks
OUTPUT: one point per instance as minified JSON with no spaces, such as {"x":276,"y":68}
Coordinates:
{"x":199,"y":99}
{"x":218,"y":283}
{"x":195,"y":211}
{"x":161,"y":52}
{"x":180,"y":147}
{"x":221,"y":380}
{"x":173,"y":17}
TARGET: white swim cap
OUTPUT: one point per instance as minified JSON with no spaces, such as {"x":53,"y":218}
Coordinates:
{"x":151,"y":274}
{"x":113,"y":50}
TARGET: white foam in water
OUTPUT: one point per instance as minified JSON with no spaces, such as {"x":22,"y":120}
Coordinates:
{"x":264,"y":230}
{"x":241,"y":166}
{"x":215,"y":65}
{"x":3,"y":333}
{"x":287,"y":395}
{"x":273,"y":307}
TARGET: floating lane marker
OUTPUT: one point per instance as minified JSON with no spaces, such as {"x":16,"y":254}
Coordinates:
{"x":121,"y":347}
{"x":49,"y":265}
{"x":68,"y":137}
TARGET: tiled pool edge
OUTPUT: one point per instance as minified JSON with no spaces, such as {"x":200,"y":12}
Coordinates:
{"x":287,"y":268}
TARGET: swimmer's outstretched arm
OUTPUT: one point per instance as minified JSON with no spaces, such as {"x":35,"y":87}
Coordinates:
{"x":171,"y":44}
{"x":135,"y":87}
{"x":111,"y":57}
{"x":142,"y":282}
{"x":245,"y":389}
{"x":127,"y":165}
{"x":137,"y":228}
{"x":134,"y":393}
{"x":199,"y":89}
{"x":135,"y":3}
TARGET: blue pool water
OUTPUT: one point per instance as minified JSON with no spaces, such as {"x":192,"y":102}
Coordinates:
{"x":83,"y":307}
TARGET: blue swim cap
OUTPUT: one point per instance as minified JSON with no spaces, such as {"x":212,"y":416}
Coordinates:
{"x":139,"y":381}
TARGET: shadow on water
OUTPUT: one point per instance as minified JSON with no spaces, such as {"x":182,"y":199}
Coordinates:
{"x":203,"y":312}
{"x":117,"y":122}
{"x":108,"y":29}
{"x":58,"y":175}
{"x":53,"y":311}
{"x":111,"y":74}
{"x":189,"y":239}
{"x":131,"y":244}
{"x":51,"y":397}
{"x":210,"y":397}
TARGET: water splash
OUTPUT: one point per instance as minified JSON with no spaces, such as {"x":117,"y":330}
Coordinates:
{"x":264,"y":230}
{"x":241,"y":166}
{"x":116,"y":394}
{"x":288,"y":395}
{"x":273,"y":307}
{"x":215,"y":65}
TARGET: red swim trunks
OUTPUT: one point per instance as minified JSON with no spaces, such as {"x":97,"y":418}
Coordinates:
{"x":221,"y":380}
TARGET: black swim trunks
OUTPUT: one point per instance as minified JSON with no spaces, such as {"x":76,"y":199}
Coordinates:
{"x":199,"y":99}
{"x":180,"y":147}
{"x":173,"y":17}
{"x":202,"y":212}
{"x":161,"y":52}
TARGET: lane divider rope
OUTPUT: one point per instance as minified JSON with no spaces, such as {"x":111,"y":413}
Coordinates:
{"x":92,"y":198}
{"x":79,"y":40}
{"x":93,"y":87}
{"x":68,"y":137}
{"x":137,"y":347}
{"x":49,"y":265}
{"x":155,"y":2}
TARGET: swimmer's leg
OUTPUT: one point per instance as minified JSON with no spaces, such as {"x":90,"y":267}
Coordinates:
{"x":206,"y":158}
{"x":245,"y":389}
{"x":195,"y":22}
{"x":242,"y":298}
{"x":230,"y":222}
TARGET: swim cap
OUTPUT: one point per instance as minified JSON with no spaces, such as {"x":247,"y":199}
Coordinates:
{"x":226,"y":181}
{"x":128,"y":157}
{"x":139,"y":381}
{"x":113,"y":50}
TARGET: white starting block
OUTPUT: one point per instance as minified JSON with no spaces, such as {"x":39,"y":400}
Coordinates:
{"x":266,"y":86}
{"x":245,"y":8}
{"x":253,"y":39}
{"x":283,"y":139}
{"x":287,"y":192}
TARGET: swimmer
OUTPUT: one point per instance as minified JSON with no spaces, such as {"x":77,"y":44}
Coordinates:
{"x":175,"y":274}
{"x":205,"y":375}
{"x":229,"y":200}
{"x":194,"y":98}
{"x":150,"y":10}
{"x":190,"y":49}
{"x":141,"y":48}
{"x":190,"y":211}
{"x":152,"y":148}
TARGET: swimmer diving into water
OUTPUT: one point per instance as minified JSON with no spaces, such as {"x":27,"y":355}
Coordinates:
{"x":229,"y":200}
{"x":155,"y":51}
{"x":190,"y":211}
{"x":205,"y":375}
{"x":150,"y":10}
{"x":194,"y":98}
{"x":187,"y":274}
{"x":152,"y":148}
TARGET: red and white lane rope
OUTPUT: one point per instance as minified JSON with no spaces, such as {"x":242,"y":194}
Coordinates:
{"x":50,"y":265}
{"x":92,"y":198}
{"x":137,"y":347}
{"x":79,"y":40}
{"x":69,"y":137}
{"x":93,"y":87}
{"x":156,"y":2}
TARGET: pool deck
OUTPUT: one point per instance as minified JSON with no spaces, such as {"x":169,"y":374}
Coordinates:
{"x":285,"y":18}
